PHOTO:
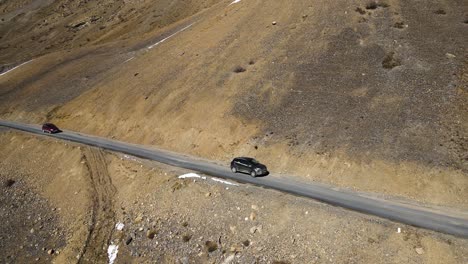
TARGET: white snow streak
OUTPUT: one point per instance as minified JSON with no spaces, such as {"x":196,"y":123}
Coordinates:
{"x":1,"y":74}
{"x":112,"y":253}
{"x":225,"y":182}
{"x":191,"y":175}
{"x":129,"y":59}
{"x":161,"y":41}
{"x":235,"y":2}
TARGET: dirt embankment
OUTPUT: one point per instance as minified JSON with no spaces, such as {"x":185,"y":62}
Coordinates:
{"x":364,"y":96}
{"x":90,"y":199}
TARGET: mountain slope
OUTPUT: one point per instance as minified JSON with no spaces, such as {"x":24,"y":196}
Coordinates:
{"x":362,"y":95}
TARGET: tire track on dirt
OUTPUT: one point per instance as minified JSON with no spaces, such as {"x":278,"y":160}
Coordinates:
{"x":102,"y":215}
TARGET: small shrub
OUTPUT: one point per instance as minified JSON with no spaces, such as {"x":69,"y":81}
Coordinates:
{"x":384,"y":5}
{"x":251,"y":62}
{"x":466,"y":21}
{"x":440,"y":12}
{"x":9,"y":182}
{"x":374,"y":5}
{"x":360,"y":10}
{"x":239,"y":69}
{"x":186,"y":238}
{"x":371,"y":6}
{"x":390,"y":61}
{"x":246,"y":243}
{"x":399,"y":25}
{"x":211,"y":246}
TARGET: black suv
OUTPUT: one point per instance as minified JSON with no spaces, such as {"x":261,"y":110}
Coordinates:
{"x":248,"y":165}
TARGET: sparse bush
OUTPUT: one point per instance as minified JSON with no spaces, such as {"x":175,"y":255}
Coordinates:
{"x":399,"y":25}
{"x":246,"y":243}
{"x":372,"y":5}
{"x":9,"y":182}
{"x":390,"y":61}
{"x":239,"y":69}
{"x":466,"y":21}
{"x":251,"y":62}
{"x":384,"y":5}
{"x":360,"y":10}
{"x":440,"y":11}
{"x":211,"y":246}
{"x":186,"y":238}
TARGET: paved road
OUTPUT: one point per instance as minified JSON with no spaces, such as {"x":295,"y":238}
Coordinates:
{"x":411,"y":215}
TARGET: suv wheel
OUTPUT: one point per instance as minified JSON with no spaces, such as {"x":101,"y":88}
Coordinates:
{"x":253,"y":174}
{"x":233,"y":169}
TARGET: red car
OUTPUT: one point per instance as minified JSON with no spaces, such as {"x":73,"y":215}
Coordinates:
{"x":50,"y":128}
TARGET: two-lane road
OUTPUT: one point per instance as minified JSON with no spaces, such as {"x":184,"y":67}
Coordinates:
{"x":411,"y":215}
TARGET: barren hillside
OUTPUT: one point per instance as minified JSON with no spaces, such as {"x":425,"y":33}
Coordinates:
{"x":365,"y":95}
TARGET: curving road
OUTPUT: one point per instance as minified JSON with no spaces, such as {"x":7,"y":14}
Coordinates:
{"x":411,"y":215}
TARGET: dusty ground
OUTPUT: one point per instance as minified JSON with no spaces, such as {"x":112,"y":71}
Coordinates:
{"x":79,"y":194}
{"x":366,"y":97}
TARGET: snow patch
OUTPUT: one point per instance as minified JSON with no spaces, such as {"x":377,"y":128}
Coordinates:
{"x":129,"y":60}
{"x":225,"y":182}
{"x":235,"y":2}
{"x":1,"y":74}
{"x":112,"y":253}
{"x":119,"y":226}
{"x":191,"y":175}
{"x":131,"y":158}
{"x":161,"y":41}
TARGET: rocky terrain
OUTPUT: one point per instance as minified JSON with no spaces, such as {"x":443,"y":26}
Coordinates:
{"x":145,"y":213}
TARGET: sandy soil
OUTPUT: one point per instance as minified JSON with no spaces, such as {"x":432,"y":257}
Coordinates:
{"x":171,"y":220}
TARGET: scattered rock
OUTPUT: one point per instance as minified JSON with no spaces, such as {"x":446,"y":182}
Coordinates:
{"x":184,"y":260}
{"x":253,"y":229}
{"x":246,"y":243}
{"x":129,"y":240}
{"x":419,"y":250}
{"x":254,"y":207}
{"x":450,"y":55}
{"x":50,"y":251}
{"x":274,"y":23}
{"x":208,"y":194}
{"x":233,"y":229}
{"x":150,"y":234}
{"x":229,"y":259}
{"x":138,"y":219}
{"x":253,"y":216}
{"x":235,"y":249}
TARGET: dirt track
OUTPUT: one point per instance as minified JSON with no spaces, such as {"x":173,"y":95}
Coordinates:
{"x":102,"y":217}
